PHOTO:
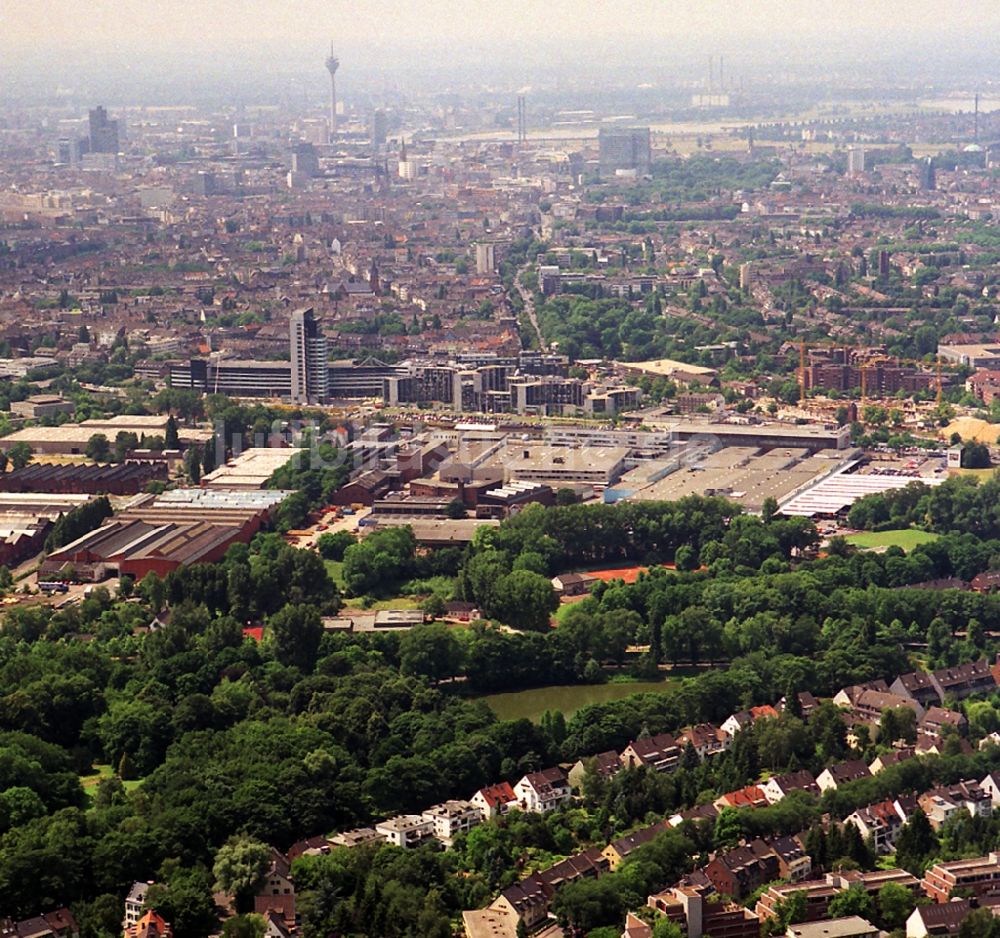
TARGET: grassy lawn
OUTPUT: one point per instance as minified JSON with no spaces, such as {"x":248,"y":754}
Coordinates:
{"x":335,"y":568}
{"x":90,"y":782}
{"x":907,"y":538}
{"x":513,"y":705}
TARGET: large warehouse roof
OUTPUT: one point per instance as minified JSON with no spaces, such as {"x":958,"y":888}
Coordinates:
{"x":837,"y":493}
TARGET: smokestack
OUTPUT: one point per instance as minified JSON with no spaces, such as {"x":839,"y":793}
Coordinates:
{"x":711,"y":73}
{"x":722,"y":73}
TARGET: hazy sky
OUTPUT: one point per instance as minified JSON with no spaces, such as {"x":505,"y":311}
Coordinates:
{"x":148,"y":23}
{"x":48,"y":38}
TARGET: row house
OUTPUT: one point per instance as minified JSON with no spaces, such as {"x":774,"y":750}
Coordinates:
{"x":978,"y":875}
{"x":957,"y":683}
{"x":59,"y":923}
{"x":528,"y":901}
{"x":819,"y":892}
{"x":867,"y":704}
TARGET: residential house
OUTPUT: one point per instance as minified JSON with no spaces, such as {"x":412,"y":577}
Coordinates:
{"x":750,"y":797}
{"x":935,"y":920}
{"x":526,"y":901}
{"x":836,"y":775}
{"x":150,"y":925}
{"x":778,"y":786}
{"x":59,"y":923}
{"x":737,"y":873}
{"x":698,"y":911}
{"x":849,"y":926}
{"x":880,"y":822}
{"x":980,"y":875}
{"x":736,"y":722}
{"x":846,"y":696}
{"x":405,"y":830}
{"x":543,"y":791}
{"x":355,"y":838}
{"x":605,"y":764}
{"x":310,"y":847}
{"x":918,"y":686}
{"x":706,"y":738}
{"x":572,"y":584}
{"x":619,"y":849}
{"x":867,"y":705}
{"x":941,"y":803}
{"x":451,"y":818}
{"x":935,"y":746}
{"x":135,"y":902}
{"x":807,"y":703}
{"x":659,"y":753}
{"x":277,"y":890}
{"x":794,"y":864}
{"x":707,"y":813}
{"x":991,"y":784}
{"x":937,"y":721}
{"x":963,"y":680}
{"x":819,"y":892}
{"x":496,"y":800}
{"x":986,"y":582}
{"x":275,"y":926}
{"x":894,"y":757}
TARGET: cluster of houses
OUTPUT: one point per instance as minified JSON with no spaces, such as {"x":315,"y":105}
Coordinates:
{"x":59,"y":923}
{"x":705,"y":900}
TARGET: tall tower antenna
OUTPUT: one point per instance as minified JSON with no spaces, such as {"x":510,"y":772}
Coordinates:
{"x":975,"y":126}
{"x":332,"y":64}
{"x":722,"y":74}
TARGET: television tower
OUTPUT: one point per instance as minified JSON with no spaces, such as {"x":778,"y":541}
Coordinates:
{"x":332,"y":64}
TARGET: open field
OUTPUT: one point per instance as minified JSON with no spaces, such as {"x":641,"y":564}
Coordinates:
{"x":90,"y":782}
{"x":907,"y":539}
{"x":568,"y":698}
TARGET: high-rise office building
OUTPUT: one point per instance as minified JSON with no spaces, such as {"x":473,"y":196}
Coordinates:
{"x":855,"y":161}
{"x":305,"y":160}
{"x":380,"y":127}
{"x":103,"y":132}
{"x":310,"y":369}
{"x":332,"y":64}
{"x":624,"y":148}
{"x":926,"y":173}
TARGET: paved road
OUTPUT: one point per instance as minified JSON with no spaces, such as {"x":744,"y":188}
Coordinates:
{"x":529,"y":306}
